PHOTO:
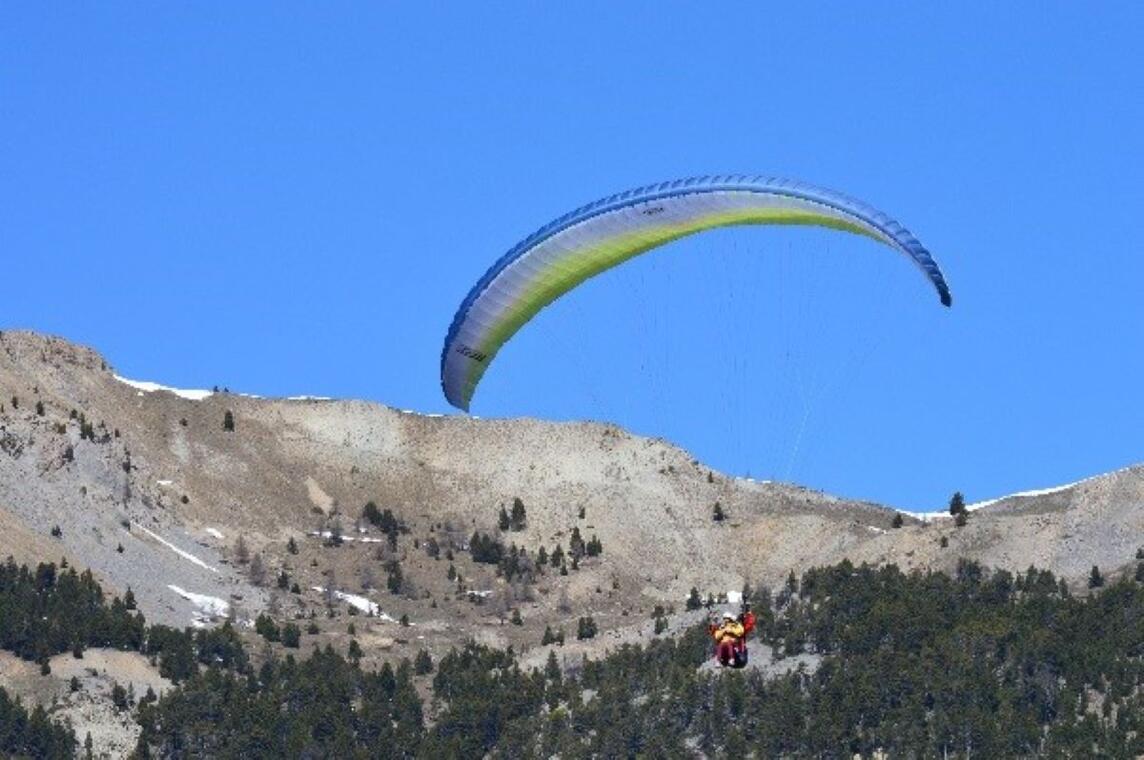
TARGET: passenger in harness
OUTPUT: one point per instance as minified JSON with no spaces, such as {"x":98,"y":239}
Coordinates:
{"x":731,"y":638}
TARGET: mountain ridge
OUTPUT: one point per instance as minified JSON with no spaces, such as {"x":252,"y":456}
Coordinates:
{"x":292,"y":467}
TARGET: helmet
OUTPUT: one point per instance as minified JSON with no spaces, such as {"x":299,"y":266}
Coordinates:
{"x":728,"y":615}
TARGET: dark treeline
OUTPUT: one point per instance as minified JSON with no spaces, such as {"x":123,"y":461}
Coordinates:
{"x":49,"y":611}
{"x":920,"y":664}
{"x":914,"y":664}
{"x":31,"y":735}
{"x":983,"y":664}
{"x":323,"y":706}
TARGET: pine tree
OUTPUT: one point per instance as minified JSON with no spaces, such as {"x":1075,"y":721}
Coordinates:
{"x":503,"y":521}
{"x":291,"y":636}
{"x":228,"y":421}
{"x":371,"y":513}
{"x":576,"y":543}
{"x":264,"y":626}
{"x":1095,"y":579}
{"x":956,"y":504}
{"x":257,"y":570}
{"x":717,"y":513}
{"x":367,"y":578}
{"x":396,"y":578}
{"x":241,"y":551}
{"x":694,"y":601}
{"x":335,"y":531}
{"x":354,"y":653}
{"x":519,"y":519}
{"x":119,"y":697}
{"x":595,"y":548}
{"x":552,"y":668}
{"x":897,"y":521}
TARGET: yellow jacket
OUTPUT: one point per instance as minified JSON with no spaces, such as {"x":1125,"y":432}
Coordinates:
{"x":731,"y":628}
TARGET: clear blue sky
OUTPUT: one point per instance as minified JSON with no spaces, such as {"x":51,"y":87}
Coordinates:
{"x":293,"y":199}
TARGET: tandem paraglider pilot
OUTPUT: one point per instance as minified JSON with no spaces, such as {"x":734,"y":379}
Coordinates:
{"x":730,"y":636}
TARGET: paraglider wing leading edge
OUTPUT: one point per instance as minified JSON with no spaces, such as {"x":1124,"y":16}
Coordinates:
{"x":601,"y":235}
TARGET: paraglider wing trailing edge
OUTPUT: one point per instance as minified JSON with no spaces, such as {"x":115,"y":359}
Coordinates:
{"x":571,"y":249}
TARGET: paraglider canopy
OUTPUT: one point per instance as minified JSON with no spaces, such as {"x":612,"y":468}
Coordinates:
{"x":594,"y":238}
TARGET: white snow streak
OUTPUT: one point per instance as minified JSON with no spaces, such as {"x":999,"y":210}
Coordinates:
{"x":210,"y":608}
{"x":213,"y":532}
{"x":148,"y":387}
{"x":175,"y":549}
{"x":359,"y":602}
{"x":360,"y":540}
{"x":940,"y":513}
{"x":1036,"y":492}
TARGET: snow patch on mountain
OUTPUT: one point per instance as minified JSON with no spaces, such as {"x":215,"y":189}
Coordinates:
{"x":944,"y":513}
{"x":1020,"y":494}
{"x":208,"y":609}
{"x":359,"y":602}
{"x":144,"y":386}
{"x":184,"y":554}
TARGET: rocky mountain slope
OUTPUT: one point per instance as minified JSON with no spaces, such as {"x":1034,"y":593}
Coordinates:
{"x":146,"y":487}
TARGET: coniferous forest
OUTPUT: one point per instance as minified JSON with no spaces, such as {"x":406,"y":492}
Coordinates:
{"x":921,"y":664}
